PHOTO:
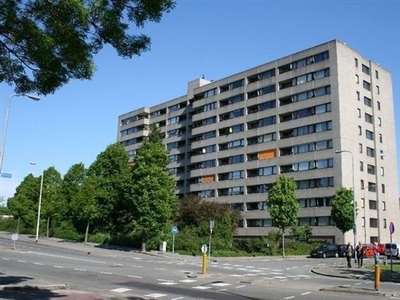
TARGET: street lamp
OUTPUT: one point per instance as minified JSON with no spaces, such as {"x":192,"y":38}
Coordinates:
{"x":354,"y":199}
{"x":40,"y":201}
{"x":3,"y":144}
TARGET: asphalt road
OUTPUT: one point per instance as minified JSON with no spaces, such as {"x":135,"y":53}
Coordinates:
{"x":133,"y":275}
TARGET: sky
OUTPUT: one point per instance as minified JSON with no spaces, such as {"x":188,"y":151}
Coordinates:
{"x":214,"y":38}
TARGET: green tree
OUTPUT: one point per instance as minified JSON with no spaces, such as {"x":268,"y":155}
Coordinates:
{"x":301,"y":233}
{"x":85,"y":205}
{"x":195,"y":214}
{"x":342,"y":212}
{"x":72,"y":183}
{"x":24,"y":204}
{"x":282,"y":205}
{"x":44,"y":44}
{"x":154,"y":202}
{"x":113,"y":176}
{"x":53,"y":204}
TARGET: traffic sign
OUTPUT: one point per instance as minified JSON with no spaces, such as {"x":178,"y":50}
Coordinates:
{"x":174,"y":230}
{"x":6,"y":175}
{"x":204,"y":249}
{"x":391,"y":228}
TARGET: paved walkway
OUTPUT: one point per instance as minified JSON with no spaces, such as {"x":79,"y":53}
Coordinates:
{"x":12,"y":287}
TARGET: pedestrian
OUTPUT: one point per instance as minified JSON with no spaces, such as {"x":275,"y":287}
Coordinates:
{"x":349,"y":254}
{"x":376,"y":253}
{"x":360,"y":254}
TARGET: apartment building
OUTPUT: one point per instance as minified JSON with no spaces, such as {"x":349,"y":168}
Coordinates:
{"x":323,"y":116}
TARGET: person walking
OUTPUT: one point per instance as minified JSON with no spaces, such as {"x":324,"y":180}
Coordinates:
{"x":360,"y":254}
{"x":376,"y":253}
{"x":349,"y":254}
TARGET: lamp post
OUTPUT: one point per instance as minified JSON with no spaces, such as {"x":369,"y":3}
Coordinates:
{"x":3,"y":144}
{"x":354,"y":197}
{"x":40,"y":201}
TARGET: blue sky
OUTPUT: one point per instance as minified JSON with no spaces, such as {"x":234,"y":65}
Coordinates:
{"x":214,"y":38}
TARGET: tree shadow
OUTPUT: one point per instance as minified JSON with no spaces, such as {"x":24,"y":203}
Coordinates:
{"x":11,"y":288}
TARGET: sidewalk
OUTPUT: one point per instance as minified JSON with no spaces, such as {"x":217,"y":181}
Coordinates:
{"x":342,"y":271}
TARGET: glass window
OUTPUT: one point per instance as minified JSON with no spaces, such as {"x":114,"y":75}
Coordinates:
{"x":368,"y":118}
{"x":369,"y":135}
{"x":365,"y":69}
{"x":366,"y":85}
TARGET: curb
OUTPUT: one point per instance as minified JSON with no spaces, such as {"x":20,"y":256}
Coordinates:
{"x":349,"y":290}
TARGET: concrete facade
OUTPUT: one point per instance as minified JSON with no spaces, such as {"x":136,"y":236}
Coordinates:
{"x":323,"y":116}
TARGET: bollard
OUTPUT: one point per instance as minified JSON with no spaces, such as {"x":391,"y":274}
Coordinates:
{"x":204,"y":266}
{"x":377,"y":277}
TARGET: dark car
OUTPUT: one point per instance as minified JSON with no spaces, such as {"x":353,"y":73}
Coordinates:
{"x":325,"y":250}
{"x":342,"y":250}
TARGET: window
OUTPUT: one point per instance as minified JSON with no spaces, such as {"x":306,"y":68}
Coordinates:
{"x":372,"y":204}
{"x":383,"y":205}
{"x":382,"y":171}
{"x":210,"y":93}
{"x":359,"y":130}
{"x":373,"y":223}
{"x":379,"y":105}
{"x":360,"y":147}
{"x":361,"y":166}
{"x":376,"y":74}
{"x":377,"y":90}
{"x":371,"y":169}
{"x":384,"y":223}
{"x":367,"y":85}
{"x":368,"y":118}
{"x":383,"y":189}
{"x":358,"y":95}
{"x":379,"y":121}
{"x":363,"y":222}
{"x":356,"y":62}
{"x":365,"y":69}
{"x":370,"y":152}
{"x":232,"y":85}
{"x":358,"y":112}
{"x":357,"y":79}
{"x":380,"y":138}
{"x":367,"y":101}
{"x":369,"y":135}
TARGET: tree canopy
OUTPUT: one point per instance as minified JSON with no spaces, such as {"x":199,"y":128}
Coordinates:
{"x":282,"y":204}
{"x":342,"y":212}
{"x":45,"y":44}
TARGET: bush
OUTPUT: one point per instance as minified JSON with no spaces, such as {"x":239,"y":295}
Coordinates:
{"x":66,"y":231}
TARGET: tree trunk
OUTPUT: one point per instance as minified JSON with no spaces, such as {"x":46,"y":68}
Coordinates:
{"x":283,"y":243}
{"x":19,"y":218}
{"x":144,"y":240}
{"x":87,"y":231}
{"x":48,"y":227}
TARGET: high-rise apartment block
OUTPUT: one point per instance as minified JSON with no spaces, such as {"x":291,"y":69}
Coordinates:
{"x":323,"y":116}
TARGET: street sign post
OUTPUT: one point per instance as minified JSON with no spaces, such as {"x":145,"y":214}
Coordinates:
{"x":391,"y":230}
{"x":14,"y":237}
{"x":174,"y":231}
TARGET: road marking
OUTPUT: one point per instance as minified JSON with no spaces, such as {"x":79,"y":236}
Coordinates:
{"x":22,"y":261}
{"x":107,"y":273}
{"x":60,"y":267}
{"x":240,"y":286}
{"x":156,"y":295}
{"x":39,"y":264}
{"x":177,"y":298}
{"x":121,"y":290}
{"x":188,"y":280}
{"x":134,"y":276}
{"x":165,"y":280}
{"x":140,"y":267}
{"x":290,"y":297}
{"x":220,"y":284}
{"x":306,"y":293}
{"x":202,"y":287}
{"x":167,"y":283}
{"x":78,"y":269}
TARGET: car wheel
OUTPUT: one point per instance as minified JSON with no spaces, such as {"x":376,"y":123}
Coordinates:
{"x":324,"y":255}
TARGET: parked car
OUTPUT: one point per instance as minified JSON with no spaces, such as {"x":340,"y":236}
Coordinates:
{"x":342,"y":250}
{"x":392,"y":250}
{"x":325,"y":250}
